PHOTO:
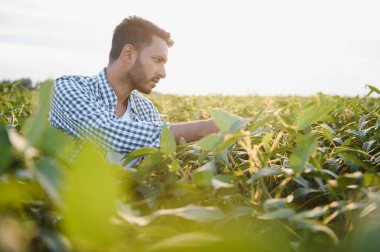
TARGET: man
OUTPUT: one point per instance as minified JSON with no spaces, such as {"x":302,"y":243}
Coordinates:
{"x":108,"y":109}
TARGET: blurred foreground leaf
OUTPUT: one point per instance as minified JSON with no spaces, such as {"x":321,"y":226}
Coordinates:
{"x":51,"y":176}
{"x":167,"y":144}
{"x":227,"y":122}
{"x":89,"y":200}
{"x":139,"y":153}
{"x":5,"y":148}
{"x":210,"y":142}
{"x":191,"y":240}
{"x":37,"y":124}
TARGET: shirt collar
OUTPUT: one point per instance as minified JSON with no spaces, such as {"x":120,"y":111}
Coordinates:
{"x":108,"y":94}
{"x":131,"y":100}
{"x":106,"y":90}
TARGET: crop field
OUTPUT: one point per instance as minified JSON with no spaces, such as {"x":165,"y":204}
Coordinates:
{"x":284,"y":174}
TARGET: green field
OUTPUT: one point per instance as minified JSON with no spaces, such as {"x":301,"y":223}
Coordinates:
{"x":284,"y":174}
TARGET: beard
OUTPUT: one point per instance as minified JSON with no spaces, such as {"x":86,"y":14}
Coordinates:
{"x":138,"y":77}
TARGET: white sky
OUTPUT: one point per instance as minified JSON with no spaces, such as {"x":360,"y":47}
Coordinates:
{"x":230,"y":47}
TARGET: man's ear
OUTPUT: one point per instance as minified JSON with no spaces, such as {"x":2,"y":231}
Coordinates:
{"x":128,"y":52}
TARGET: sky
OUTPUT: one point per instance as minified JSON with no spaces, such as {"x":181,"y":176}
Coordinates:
{"x":272,"y":47}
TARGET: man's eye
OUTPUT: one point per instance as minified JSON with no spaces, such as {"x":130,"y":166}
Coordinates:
{"x":156,"y":60}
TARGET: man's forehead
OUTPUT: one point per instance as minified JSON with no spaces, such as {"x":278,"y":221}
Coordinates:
{"x":158,"y":47}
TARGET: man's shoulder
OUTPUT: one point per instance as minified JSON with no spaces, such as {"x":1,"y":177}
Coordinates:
{"x":75,"y":82}
{"x":79,"y":79}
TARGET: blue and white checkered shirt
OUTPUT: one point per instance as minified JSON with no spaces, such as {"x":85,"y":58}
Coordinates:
{"x":84,"y":107}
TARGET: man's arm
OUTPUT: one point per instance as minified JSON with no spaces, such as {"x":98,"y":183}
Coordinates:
{"x":193,"y":131}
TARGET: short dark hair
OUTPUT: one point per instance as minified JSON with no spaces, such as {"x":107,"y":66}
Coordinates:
{"x":138,"y":32}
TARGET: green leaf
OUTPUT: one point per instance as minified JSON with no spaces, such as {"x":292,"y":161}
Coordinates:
{"x":376,"y":160}
{"x":89,"y":199}
{"x":5,"y":148}
{"x":265,"y":172}
{"x":228,"y":140}
{"x":360,"y":133}
{"x":328,"y":132}
{"x":312,"y":213}
{"x":373,"y":89}
{"x":351,"y":179}
{"x":15,"y":194}
{"x":210,"y":142}
{"x":278,"y":214}
{"x":367,"y":146}
{"x":182,"y":142}
{"x":270,"y":204}
{"x":286,"y":120}
{"x":174,"y":166}
{"x":217,"y":184}
{"x":222,"y":157}
{"x":189,"y":212}
{"x":54,"y":240}
{"x":353,"y":161}
{"x":338,"y":140}
{"x":147,"y":166}
{"x":203,"y":175}
{"x":266,"y":141}
{"x":167,"y":145}
{"x":184,"y":241}
{"x":312,"y":115}
{"x":302,"y":192}
{"x":306,"y":146}
{"x":349,"y":149}
{"x":317,"y":227}
{"x":371,"y":179}
{"x":325,"y":126}
{"x":301,"y":181}
{"x":362,"y":121}
{"x":59,"y":145}
{"x":202,"y":179}
{"x":237,"y":125}
{"x":194,"y":213}
{"x":38,"y":123}
{"x":256,"y":124}
{"x":209,"y":166}
{"x":227,"y":122}
{"x":139,"y":153}
{"x":51,"y":176}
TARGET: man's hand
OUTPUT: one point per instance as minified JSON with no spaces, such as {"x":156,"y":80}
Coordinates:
{"x":193,"y":131}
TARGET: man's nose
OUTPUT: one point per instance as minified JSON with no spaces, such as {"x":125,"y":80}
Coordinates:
{"x":162,"y":71}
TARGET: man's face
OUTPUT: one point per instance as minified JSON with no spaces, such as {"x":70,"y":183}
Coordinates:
{"x":149,"y":66}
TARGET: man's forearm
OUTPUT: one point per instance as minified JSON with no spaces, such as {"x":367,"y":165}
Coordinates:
{"x":193,"y":131}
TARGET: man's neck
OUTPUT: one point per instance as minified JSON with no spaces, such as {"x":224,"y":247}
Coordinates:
{"x":119,"y":82}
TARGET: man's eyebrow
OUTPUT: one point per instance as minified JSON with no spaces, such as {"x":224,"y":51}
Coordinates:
{"x":161,"y":58}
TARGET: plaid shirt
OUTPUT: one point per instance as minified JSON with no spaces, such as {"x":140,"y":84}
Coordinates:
{"x":84,"y":107}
